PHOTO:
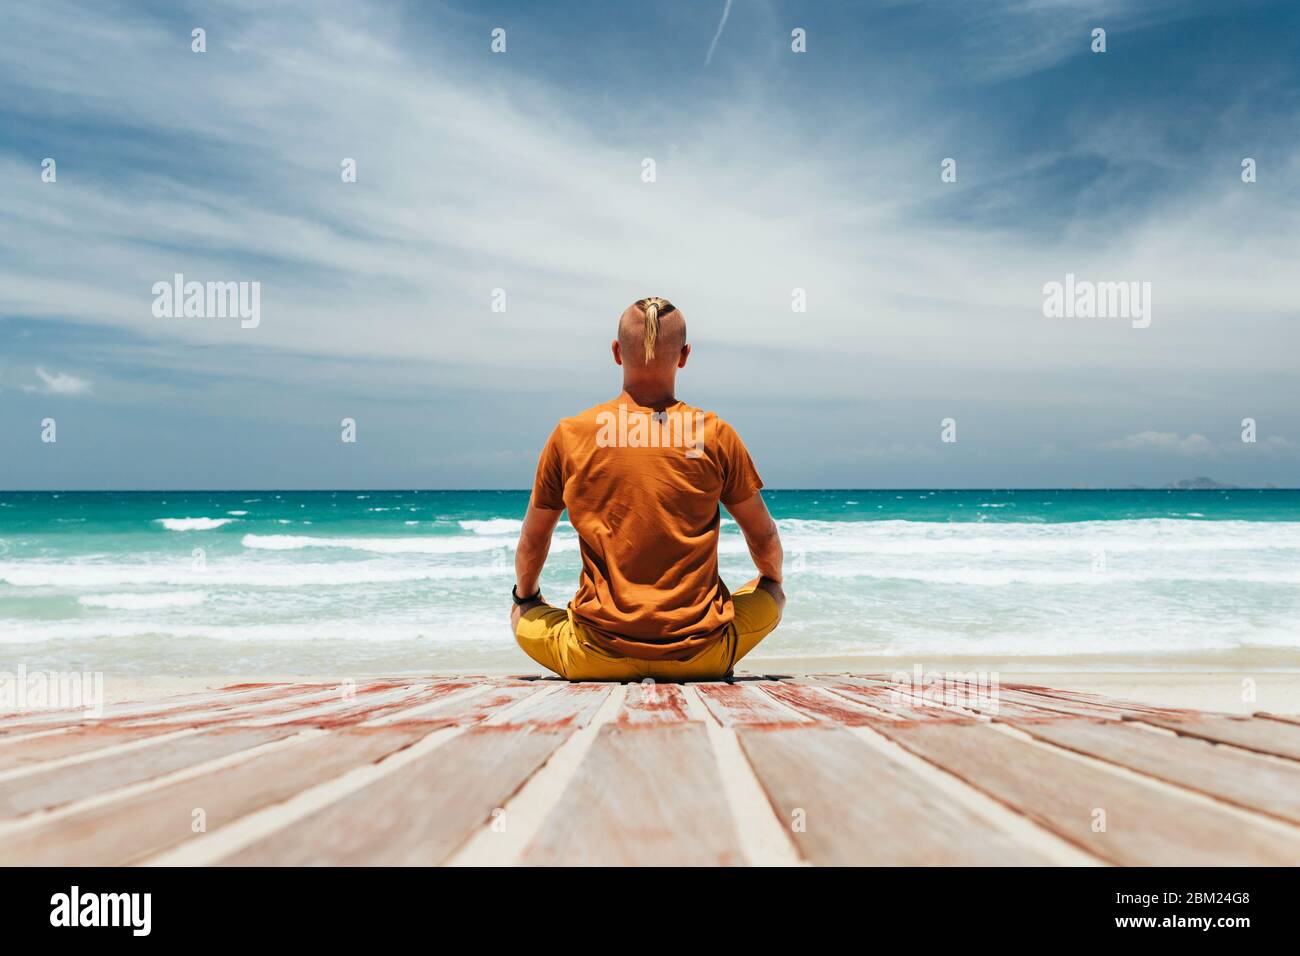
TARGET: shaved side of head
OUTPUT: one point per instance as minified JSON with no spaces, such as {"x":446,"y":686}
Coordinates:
{"x":651,"y":332}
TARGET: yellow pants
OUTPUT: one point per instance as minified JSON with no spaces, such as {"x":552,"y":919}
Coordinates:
{"x":549,"y":637}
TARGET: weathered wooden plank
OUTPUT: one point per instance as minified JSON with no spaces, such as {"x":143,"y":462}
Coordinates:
{"x":152,"y":711}
{"x":1100,"y":702}
{"x":1223,"y":772}
{"x":27,"y":751}
{"x":43,"y":789}
{"x":369,"y":706}
{"x":1248,"y":733}
{"x":117,"y":833}
{"x":1006,"y":710}
{"x":1284,"y":718}
{"x":894,"y":701}
{"x":848,"y":804}
{"x":1049,"y":705}
{"x":419,"y":814}
{"x":235,"y":692}
{"x":965,"y":698}
{"x":232,"y":695}
{"x":882,"y":680}
{"x":743,"y":703}
{"x":484,"y":702}
{"x":1010,"y":704}
{"x":1145,"y":824}
{"x":227,"y":711}
{"x":820,"y":704}
{"x":649,"y":703}
{"x":572,"y":706}
{"x":644,"y":796}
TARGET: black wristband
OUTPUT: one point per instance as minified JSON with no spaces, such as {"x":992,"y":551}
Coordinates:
{"x":514,"y":596}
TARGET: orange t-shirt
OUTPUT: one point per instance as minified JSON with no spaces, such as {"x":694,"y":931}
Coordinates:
{"x":642,"y":489}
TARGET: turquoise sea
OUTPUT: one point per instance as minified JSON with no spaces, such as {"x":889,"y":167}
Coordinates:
{"x":291,"y":582}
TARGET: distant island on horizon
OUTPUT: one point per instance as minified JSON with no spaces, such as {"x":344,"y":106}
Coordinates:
{"x":1201,"y":483}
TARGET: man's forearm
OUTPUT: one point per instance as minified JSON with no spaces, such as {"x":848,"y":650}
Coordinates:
{"x":768,"y":556}
{"x":529,"y":560}
{"x":534,"y":544}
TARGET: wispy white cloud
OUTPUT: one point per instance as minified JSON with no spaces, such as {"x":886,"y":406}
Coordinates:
{"x":1190,"y":445}
{"x":1019,"y":37}
{"x":525,"y":196}
{"x":472,"y":178}
{"x":57,"y":383}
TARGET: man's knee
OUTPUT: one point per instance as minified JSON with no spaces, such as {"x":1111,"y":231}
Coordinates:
{"x":538,"y":631}
{"x":518,"y":611}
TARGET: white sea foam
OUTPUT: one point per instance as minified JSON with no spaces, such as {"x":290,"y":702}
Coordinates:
{"x":986,"y":538}
{"x":459,"y":629}
{"x":193,"y":524}
{"x":426,"y":544}
{"x":1165,"y":585}
{"x":493,"y":526}
{"x":430,"y":544}
{"x":234,"y":575}
{"x":143,"y":602}
{"x":985,"y":577}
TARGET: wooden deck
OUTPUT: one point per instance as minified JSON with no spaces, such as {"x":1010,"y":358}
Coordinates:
{"x":774,"y":771}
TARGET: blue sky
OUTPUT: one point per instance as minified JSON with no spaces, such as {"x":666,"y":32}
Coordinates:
{"x":522,"y":171}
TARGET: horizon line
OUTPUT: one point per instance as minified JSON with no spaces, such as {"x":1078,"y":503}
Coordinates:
{"x":403,"y":488}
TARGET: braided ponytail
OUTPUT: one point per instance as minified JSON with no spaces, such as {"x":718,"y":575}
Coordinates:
{"x":641,"y":326}
{"x":654,"y":309}
{"x":651,"y":326}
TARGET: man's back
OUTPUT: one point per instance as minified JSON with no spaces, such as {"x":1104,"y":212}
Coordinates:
{"x":642,"y":487}
{"x":642,"y":476}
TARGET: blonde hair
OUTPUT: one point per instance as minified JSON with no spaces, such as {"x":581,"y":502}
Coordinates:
{"x":653,"y":307}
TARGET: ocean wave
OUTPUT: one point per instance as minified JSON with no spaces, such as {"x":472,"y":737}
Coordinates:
{"x":493,"y":526}
{"x":451,"y":629}
{"x":431,"y":544}
{"x":230,"y":575}
{"x":143,"y":602}
{"x":1001,"y":577}
{"x":193,"y":524}
{"x":514,"y":525}
{"x":895,"y":537}
{"x":426,"y":544}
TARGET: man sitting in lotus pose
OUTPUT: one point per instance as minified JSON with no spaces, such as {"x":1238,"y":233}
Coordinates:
{"x":642,"y":476}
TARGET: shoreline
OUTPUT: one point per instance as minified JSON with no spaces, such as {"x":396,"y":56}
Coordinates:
{"x":1224,"y":691}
